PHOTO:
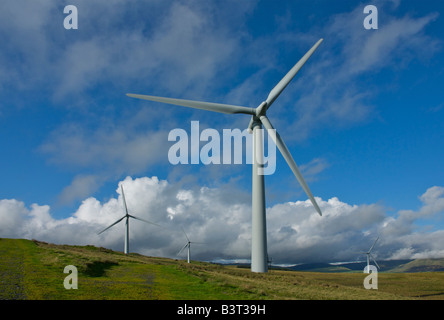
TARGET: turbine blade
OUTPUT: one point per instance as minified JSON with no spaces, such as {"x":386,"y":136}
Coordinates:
{"x":124,"y":201}
{"x":185,"y":234}
{"x":182,"y":248}
{"x":276,"y":91}
{"x":290,"y":161}
{"x":137,"y":218}
{"x":217,"y":107}
{"x":112,"y":224}
{"x":373,"y":245}
{"x":375,"y":262}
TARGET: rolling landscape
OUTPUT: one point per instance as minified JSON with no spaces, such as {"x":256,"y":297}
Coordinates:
{"x":34,"y":270}
{"x":152,"y":126}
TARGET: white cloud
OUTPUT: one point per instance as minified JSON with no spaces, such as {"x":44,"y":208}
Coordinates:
{"x":221,"y":218}
{"x":80,"y":187}
{"x":403,"y":253}
{"x":433,"y":200}
{"x":414,"y":245}
{"x":177,"y":41}
{"x":314,"y":168}
{"x":11,"y":214}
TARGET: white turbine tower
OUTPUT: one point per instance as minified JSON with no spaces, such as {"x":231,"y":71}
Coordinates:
{"x":127,"y":216}
{"x":259,"y":118}
{"x":369,"y":256}
{"x":187,"y":245}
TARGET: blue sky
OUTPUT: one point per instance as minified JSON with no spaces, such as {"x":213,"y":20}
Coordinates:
{"x":363,"y":120}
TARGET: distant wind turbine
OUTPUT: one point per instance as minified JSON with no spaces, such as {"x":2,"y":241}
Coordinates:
{"x":369,"y":255}
{"x":258,"y":118}
{"x":187,"y":245}
{"x":127,"y":216}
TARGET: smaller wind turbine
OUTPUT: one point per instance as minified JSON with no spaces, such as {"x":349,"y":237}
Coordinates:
{"x":127,"y":216}
{"x":187,"y":245}
{"x":369,"y":255}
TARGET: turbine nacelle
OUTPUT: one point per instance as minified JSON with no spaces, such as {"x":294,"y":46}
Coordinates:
{"x":261,"y":109}
{"x":258,"y":112}
{"x":370,"y":256}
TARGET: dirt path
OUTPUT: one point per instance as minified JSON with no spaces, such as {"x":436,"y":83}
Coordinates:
{"x":11,"y":270}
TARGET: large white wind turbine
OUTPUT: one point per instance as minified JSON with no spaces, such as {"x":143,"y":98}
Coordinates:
{"x":127,"y":216}
{"x":259,"y":118}
{"x":187,"y":245}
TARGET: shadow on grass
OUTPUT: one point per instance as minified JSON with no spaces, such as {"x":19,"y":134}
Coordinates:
{"x":98,"y":268}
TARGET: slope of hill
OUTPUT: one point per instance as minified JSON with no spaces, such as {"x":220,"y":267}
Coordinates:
{"x":421,"y":265}
{"x":34,"y":270}
{"x":406,"y":265}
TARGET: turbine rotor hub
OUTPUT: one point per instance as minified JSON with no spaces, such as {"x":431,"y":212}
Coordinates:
{"x":261,"y":109}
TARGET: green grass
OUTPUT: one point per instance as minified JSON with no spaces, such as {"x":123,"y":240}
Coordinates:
{"x":34,"y":270}
{"x":421,"y":265}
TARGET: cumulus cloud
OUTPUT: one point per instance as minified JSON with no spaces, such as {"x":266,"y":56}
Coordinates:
{"x":12,"y":212}
{"x":221,"y":219}
{"x":175,"y":40}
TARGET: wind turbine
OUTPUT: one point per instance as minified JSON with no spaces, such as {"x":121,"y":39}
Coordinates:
{"x":127,"y":216}
{"x":187,"y":245}
{"x":259,"y":118}
{"x":369,"y":255}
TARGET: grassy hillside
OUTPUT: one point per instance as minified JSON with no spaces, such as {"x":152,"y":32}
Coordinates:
{"x":421,"y":265}
{"x":34,"y":270}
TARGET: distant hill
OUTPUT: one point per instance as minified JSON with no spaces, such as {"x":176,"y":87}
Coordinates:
{"x":384,"y":265}
{"x":395,"y":266}
{"x":421,"y":265}
{"x":406,"y":265}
